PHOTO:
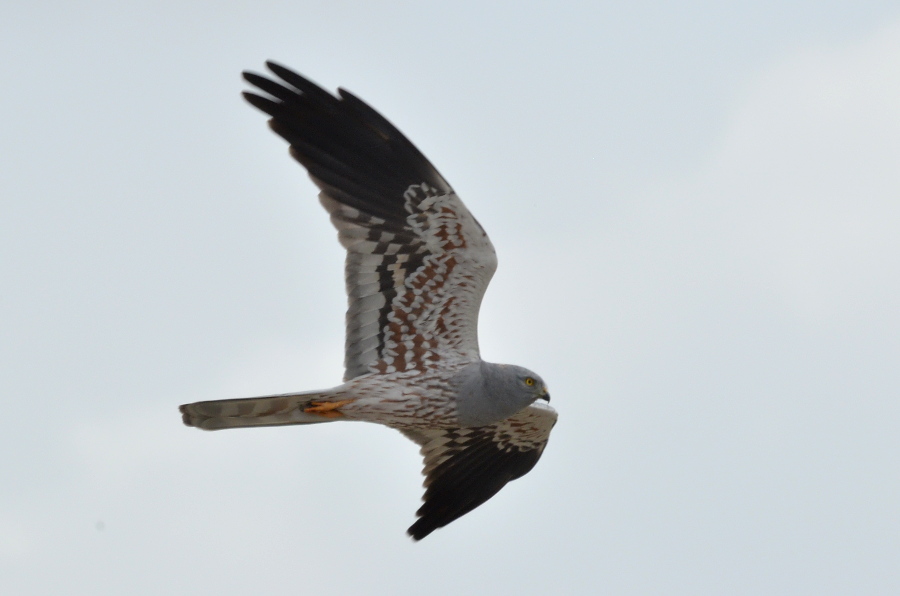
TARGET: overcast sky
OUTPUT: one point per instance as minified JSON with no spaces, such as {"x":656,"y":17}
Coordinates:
{"x":697,"y":214}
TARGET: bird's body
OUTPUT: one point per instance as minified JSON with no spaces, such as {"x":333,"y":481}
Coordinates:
{"x":417,"y":267}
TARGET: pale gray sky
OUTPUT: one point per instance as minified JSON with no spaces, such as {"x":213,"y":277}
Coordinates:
{"x":696,"y":210}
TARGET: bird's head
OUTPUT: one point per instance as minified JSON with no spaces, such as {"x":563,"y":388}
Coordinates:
{"x":532,"y":384}
{"x":490,"y":392}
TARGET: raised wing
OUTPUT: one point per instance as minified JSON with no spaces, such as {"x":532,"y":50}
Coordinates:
{"x":417,"y":263}
{"x":464,"y":467}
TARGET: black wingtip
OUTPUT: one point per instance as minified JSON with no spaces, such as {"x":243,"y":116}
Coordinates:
{"x":301,"y":83}
{"x":254,"y":78}
{"x":365,"y":162}
{"x":420,"y":529}
{"x":263,"y":104}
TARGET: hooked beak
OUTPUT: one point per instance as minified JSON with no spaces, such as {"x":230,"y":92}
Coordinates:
{"x":545,"y":395}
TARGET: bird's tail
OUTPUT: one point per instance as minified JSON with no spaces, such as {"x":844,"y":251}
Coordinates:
{"x":270,"y":410}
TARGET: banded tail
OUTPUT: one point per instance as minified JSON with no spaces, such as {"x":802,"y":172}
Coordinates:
{"x":271,"y":410}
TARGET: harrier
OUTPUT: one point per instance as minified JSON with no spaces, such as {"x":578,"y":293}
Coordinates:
{"x":417,"y":267}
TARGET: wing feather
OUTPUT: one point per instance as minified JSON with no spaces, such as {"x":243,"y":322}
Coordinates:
{"x":464,"y":467}
{"x":418,"y":263}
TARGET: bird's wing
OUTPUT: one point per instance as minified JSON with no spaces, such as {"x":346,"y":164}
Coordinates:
{"x":417,"y":263}
{"x":464,"y":467}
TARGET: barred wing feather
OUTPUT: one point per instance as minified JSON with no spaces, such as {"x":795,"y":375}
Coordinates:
{"x":417,"y":262}
{"x":464,"y":467}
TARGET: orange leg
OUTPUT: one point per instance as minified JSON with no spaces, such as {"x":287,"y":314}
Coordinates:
{"x":327,"y":409}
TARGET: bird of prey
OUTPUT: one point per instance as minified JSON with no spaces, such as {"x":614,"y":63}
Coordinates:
{"x":417,"y":267}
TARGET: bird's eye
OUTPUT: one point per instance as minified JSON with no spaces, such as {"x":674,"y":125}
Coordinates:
{"x":529,"y":381}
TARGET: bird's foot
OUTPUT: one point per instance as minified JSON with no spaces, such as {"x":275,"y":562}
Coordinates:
{"x":327,"y":409}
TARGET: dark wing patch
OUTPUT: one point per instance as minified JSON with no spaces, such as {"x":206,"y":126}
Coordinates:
{"x":417,"y":261}
{"x":356,"y":156}
{"x":465,"y":467}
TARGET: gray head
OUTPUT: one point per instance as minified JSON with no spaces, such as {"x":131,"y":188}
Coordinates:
{"x":488,"y":393}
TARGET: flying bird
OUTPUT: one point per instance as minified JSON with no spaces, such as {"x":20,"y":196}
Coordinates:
{"x":417,"y":267}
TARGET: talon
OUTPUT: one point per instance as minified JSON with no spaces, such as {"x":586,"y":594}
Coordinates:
{"x":327,"y":409}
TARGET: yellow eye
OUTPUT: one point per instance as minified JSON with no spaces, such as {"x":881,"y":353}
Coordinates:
{"x":529,"y":381}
